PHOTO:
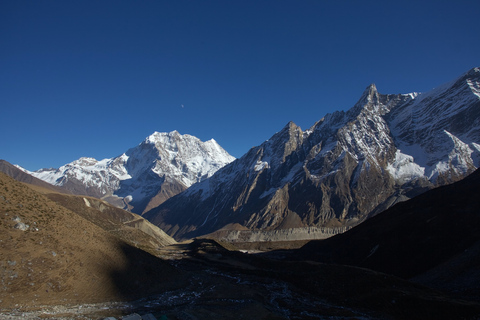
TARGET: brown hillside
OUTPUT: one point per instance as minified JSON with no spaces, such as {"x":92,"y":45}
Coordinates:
{"x":50,"y":255}
{"x":127,"y":226}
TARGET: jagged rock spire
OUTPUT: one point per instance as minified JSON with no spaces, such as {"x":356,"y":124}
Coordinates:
{"x":350,"y":165}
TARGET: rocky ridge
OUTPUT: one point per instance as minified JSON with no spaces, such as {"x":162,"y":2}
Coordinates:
{"x":348,"y":166}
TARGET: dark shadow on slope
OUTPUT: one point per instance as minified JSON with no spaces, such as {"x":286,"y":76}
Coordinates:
{"x":143,"y":275}
{"x":412,"y":237}
{"x":315,"y":290}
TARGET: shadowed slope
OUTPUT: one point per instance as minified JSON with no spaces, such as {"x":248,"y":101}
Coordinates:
{"x":412,"y":237}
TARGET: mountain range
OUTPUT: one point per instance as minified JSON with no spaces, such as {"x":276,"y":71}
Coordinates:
{"x":347,"y":167}
{"x":353,"y":170}
{"x":163,"y":165}
{"x":70,"y":257}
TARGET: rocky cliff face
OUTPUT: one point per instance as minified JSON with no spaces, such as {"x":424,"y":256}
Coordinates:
{"x":163,"y":165}
{"x":348,"y":166}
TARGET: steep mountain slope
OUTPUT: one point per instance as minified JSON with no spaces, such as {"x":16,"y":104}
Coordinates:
{"x":434,"y":237}
{"x":349,"y":165}
{"x":50,"y":255}
{"x":163,"y":165}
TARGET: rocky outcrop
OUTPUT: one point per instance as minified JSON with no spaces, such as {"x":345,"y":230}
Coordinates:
{"x":290,"y":234}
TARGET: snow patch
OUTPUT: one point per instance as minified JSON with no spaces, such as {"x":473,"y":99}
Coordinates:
{"x":323,"y":176}
{"x":260,"y":165}
{"x":404,"y":168}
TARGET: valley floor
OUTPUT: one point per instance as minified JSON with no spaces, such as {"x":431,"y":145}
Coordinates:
{"x":227,"y":284}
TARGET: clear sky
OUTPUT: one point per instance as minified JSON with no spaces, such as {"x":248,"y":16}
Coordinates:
{"x":95,"y":78}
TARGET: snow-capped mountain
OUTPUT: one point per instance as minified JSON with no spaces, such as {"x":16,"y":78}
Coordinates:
{"x":163,"y":165}
{"x":348,"y":166}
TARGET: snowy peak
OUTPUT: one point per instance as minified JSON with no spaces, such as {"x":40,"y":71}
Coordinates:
{"x":166,"y":139}
{"x":163,"y":162}
{"x":157,"y":136}
{"x":85,"y":162}
{"x":175,"y":145}
{"x":186,"y":158}
{"x":440,"y":129}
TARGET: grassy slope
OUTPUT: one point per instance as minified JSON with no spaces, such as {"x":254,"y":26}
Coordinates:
{"x":63,"y":258}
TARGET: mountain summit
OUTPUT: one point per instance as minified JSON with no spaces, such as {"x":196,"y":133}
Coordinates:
{"x":347,"y":167}
{"x":163,"y":165}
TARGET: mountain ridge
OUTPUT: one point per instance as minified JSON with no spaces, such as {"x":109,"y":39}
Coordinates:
{"x":348,"y":166}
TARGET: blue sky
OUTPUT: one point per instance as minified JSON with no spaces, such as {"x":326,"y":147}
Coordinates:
{"x":95,"y":78}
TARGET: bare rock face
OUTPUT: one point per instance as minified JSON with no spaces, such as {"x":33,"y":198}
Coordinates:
{"x":347,"y":167}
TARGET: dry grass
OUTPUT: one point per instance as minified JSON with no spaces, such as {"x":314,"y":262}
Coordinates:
{"x":61,"y":258}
